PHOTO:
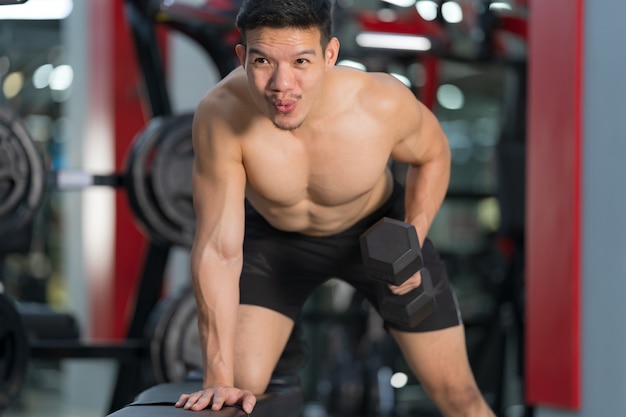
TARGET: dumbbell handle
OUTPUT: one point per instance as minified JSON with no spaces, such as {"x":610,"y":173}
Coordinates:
{"x":396,"y":279}
{"x":420,"y":301}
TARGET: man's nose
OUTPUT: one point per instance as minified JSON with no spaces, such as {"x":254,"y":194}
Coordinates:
{"x":282,"y":79}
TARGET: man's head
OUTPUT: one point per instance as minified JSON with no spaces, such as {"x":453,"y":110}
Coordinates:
{"x":287,"y":51}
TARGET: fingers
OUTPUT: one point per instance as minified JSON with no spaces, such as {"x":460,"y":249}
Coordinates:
{"x":181,"y":400}
{"x":408,"y":285}
{"x":233,"y":396}
{"x":196,"y":401}
{"x":216,"y":398}
{"x":248,"y":402}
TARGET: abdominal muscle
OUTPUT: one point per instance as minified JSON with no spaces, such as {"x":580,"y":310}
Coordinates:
{"x":312,"y":211}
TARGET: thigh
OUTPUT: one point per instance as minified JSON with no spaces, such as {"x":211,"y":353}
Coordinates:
{"x":262,"y":335}
{"x":437,"y":358}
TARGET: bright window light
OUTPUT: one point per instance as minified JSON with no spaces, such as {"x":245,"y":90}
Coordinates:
{"x":352,"y":64}
{"x":401,"y":3}
{"x":393,"y":41}
{"x":61,"y":78}
{"x":452,"y":12}
{"x":41,"y":76}
{"x":427,"y":9}
{"x":500,"y":5}
{"x":37,"y":10}
{"x":404,"y":80}
{"x":399,"y":380}
{"x":450,"y":97}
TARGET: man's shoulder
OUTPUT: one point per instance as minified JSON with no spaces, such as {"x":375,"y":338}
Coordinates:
{"x":364,"y":77}
{"x":227,"y":94}
{"x":370,"y":84}
{"x":377,"y":91}
{"x":225,"y":107}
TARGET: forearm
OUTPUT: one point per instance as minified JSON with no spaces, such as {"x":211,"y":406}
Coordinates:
{"x":216,"y":285}
{"x":426,"y":187}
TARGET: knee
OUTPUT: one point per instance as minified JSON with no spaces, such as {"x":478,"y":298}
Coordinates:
{"x":253,"y":379}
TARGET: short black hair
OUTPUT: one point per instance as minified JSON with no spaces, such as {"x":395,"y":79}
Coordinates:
{"x":300,"y":14}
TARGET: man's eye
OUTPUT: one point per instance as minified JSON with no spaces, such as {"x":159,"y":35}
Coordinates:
{"x":260,"y":60}
{"x":301,"y":61}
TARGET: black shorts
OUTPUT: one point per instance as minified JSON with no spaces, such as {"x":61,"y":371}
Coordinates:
{"x":282,"y":269}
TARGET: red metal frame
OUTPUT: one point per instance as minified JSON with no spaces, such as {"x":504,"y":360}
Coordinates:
{"x":553,"y":269}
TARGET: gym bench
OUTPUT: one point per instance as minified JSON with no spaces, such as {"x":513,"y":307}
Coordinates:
{"x":283,"y":398}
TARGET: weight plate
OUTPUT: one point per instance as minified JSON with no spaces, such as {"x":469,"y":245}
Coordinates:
{"x":175,"y":348}
{"x":158,"y":176}
{"x":13,"y":351}
{"x":21,"y":173}
{"x":171,"y":177}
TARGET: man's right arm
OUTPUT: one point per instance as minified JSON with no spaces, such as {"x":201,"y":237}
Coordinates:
{"x":216,"y":257}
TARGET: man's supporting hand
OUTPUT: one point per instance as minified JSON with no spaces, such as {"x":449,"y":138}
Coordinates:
{"x":217,"y":397}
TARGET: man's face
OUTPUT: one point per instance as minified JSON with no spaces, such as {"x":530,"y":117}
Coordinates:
{"x":286,"y":69}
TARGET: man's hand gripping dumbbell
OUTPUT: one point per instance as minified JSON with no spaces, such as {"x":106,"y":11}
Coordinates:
{"x":391,"y":253}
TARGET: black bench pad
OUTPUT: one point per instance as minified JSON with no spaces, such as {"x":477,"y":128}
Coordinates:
{"x":158,"y":401}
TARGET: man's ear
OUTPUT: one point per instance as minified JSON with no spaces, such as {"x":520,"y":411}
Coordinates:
{"x":240,"y":50}
{"x":332,"y":52}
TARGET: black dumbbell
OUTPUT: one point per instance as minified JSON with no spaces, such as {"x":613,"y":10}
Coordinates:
{"x":391,"y":253}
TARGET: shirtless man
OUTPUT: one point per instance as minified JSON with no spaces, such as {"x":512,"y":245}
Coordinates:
{"x":292,"y":152}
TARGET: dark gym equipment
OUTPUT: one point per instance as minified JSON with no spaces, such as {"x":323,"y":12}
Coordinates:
{"x":52,"y":335}
{"x":391,"y":254}
{"x":175,"y":350}
{"x":21,"y":174}
{"x":158,"y":178}
{"x":43,"y":323}
{"x":13,"y":351}
{"x":157,"y":181}
{"x":158,"y":173}
{"x":282,"y":399}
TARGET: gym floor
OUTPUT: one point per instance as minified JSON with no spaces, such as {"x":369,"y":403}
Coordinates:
{"x":70,"y":388}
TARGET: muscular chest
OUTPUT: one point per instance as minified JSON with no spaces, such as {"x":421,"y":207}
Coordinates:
{"x":329,"y":170}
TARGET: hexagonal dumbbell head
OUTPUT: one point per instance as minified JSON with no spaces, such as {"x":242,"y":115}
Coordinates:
{"x":391,"y":251}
